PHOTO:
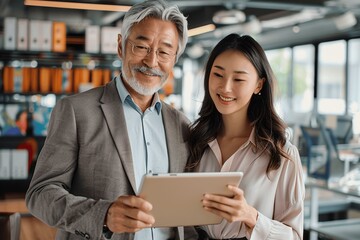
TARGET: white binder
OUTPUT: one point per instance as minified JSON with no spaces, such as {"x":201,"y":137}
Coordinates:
{"x":92,"y":39}
{"x":22,"y":34}
{"x":46,"y":35}
{"x":10,"y":33}
{"x":19,"y":160}
{"x":35,"y":35}
{"x":109,"y":39}
{"x":5,"y":163}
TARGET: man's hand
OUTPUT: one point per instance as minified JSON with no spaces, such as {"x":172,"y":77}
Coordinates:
{"x":129,"y":214}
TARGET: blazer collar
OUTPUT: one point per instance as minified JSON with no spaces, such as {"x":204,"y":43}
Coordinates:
{"x":115,"y":119}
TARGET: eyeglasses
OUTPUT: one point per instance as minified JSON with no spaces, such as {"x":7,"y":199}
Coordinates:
{"x":163,"y":55}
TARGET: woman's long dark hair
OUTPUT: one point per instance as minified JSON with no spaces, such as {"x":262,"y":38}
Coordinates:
{"x":270,"y":129}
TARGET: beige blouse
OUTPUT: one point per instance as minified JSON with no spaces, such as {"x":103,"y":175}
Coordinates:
{"x":277,"y":196}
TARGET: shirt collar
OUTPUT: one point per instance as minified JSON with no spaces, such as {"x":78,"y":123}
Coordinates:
{"x":126,"y":97}
{"x":250,"y":140}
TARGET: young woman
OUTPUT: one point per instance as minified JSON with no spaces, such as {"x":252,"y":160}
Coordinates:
{"x":239,"y":130}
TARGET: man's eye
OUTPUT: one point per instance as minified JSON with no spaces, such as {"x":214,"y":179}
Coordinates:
{"x":164,"y":52}
{"x":141,"y":47}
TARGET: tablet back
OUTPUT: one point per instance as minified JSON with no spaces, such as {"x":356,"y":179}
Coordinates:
{"x":176,"y":197}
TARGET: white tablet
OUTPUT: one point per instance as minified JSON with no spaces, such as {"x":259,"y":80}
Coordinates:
{"x":176,"y":197}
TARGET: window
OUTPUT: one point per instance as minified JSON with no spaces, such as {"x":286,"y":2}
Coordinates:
{"x":354,"y":83}
{"x":303,"y":79}
{"x":280,"y":61}
{"x":331,"y":84}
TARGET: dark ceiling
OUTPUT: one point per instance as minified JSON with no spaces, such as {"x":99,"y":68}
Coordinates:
{"x":272,"y":23}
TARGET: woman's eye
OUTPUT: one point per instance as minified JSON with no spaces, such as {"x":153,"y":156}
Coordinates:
{"x":217,"y":74}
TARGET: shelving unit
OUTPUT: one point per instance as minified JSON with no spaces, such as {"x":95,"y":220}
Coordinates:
{"x":38,"y":59}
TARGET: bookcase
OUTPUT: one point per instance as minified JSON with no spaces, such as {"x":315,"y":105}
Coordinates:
{"x":32,"y":82}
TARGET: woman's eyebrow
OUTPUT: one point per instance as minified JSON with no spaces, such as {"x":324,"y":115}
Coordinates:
{"x":238,"y":72}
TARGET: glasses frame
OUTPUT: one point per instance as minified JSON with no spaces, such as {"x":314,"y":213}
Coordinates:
{"x":149,"y":49}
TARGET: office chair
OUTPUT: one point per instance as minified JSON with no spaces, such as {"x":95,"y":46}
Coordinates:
{"x":335,"y":155}
{"x":9,"y":226}
{"x":343,"y":132}
{"x":317,"y":162}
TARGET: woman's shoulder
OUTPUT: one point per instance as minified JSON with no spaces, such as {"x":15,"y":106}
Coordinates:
{"x":291,"y":150}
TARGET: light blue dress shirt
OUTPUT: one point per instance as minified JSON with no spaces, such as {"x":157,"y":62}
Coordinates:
{"x":148,"y":147}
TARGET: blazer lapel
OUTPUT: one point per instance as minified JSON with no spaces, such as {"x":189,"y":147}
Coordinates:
{"x":174,"y":139}
{"x":115,"y":119}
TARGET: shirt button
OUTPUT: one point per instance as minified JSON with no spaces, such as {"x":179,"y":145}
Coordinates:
{"x":148,"y":143}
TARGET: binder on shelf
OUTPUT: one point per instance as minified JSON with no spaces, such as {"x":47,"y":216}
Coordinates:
{"x":34,"y":80}
{"x":81,"y":77}
{"x":106,"y":76}
{"x":96,"y":77}
{"x":56,"y":84}
{"x":59,"y":37}
{"x":10,"y":26}
{"x":8,"y":80}
{"x":22,"y":34}
{"x":5,"y":167}
{"x":44,"y":80}
{"x":46,"y":35}
{"x":92,"y":39}
{"x":35,"y":35}
{"x":19,"y":164}
{"x":26,"y":79}
{"x":109,"y":37}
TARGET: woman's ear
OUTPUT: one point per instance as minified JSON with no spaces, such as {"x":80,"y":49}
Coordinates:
{"x":119,"y":47}
{"x":260,"y":84}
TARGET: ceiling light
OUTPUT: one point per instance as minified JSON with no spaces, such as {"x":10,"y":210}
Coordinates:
{"x":347,"y":20}
{"x":75,"y":5}
{"x":253,"y":26}
{"x":229,"y":17}
{"x":201,"y":30}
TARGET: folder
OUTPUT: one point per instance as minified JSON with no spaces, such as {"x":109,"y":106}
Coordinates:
{"x":26,"y":79}
{"x":56,"y":80}
{"x":81,"y":77}
{"x":46,"y":35}
{"x":8,"y":79}
{"x":10,"y":27}
{"x":34,"y":80}
{"x":44,"y":80}
{"x":22,"y":34}
{"x":109,"y":37}
{"x":92,"y":39}
{"x":35,"y":35}
{"x":5,"y":168}
{"x":96,"y":77}
{"x":59,"y":37}
{"x":19,"y":164}
{"x":106,"y":76}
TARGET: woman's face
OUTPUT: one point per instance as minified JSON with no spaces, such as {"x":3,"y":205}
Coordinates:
{"x":233,"y":81}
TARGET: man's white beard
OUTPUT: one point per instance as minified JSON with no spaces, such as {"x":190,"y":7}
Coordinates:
{"x":143,"y":90}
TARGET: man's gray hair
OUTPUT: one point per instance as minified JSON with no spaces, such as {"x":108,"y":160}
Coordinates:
{"x":157,"y":9}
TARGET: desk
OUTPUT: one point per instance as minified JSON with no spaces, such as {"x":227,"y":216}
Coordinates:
{"x":347,"y":229}
{"x":30,"y":228}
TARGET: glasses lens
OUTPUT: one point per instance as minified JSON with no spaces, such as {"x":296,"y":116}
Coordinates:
{"x":143,"y":51}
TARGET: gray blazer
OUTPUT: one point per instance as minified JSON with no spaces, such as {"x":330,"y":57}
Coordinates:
{"x":86,"y":163}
